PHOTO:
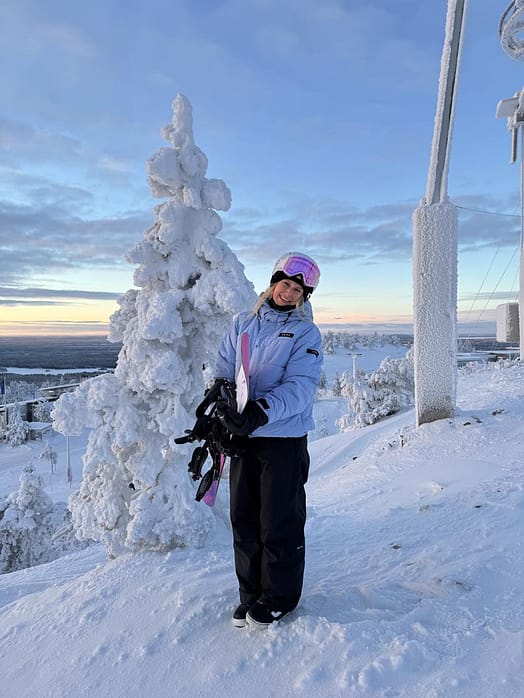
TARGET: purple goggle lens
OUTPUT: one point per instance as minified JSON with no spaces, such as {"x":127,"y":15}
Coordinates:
{"x":304,"y":266}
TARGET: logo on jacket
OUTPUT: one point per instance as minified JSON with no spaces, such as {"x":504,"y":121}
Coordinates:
{"x":312,"y":351}
{"x":286,"y":334}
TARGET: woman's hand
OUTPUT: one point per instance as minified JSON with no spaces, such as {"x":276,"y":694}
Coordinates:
{"x":243,"y":424}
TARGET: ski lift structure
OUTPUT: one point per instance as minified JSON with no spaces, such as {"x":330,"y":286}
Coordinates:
{"x":510,"y":320}
{"x":435,"y":250}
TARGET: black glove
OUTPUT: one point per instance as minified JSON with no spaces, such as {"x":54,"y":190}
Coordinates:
{"x":243,"y":424}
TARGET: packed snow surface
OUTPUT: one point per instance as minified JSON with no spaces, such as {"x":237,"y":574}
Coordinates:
{"x":413,"y":583}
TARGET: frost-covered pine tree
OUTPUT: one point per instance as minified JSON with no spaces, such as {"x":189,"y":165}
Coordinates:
{"x":17,"y":427}
{"x":42,"y":412}
{"x":26,"y":525}
{"x":329,"y":342}
{"x":337,"y":386}
{"x":49,"y":453}
{"x":136,"y":492}
{"x":346,"y":384}
{"x":322,"y":427}
{"x":380,"y":393}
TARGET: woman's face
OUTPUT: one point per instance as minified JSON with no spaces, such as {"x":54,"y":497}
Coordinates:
{"x":287,"y":292}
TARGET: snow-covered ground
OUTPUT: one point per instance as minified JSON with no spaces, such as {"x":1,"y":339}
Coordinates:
{"x":413,"y":583}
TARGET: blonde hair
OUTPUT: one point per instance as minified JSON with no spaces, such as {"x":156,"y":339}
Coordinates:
{"x":268,"y":293}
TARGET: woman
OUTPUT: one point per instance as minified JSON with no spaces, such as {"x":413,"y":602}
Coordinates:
{"x":268,"y":503}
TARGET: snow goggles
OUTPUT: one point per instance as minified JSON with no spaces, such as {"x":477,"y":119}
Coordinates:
{"x":294,"y":264}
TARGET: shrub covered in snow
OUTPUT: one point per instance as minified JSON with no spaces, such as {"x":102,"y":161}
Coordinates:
{"x":42,"y":411}
{"x":379,"y":393}
{"x":33,"y":530}
{"x":26,"y":525}
{"x":136,"y":492}
{"x":19,"y":390}
{"x":17,"y":428}
{"x":48,"y":453}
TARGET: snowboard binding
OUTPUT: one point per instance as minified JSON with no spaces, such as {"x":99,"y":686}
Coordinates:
{"x":218,"y":442}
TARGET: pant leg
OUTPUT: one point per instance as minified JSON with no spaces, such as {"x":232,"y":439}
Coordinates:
{"x":284,"y":472}
{"x":244,"y":487}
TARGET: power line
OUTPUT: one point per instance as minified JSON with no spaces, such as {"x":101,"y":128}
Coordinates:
{"x":499,"y":281}
{"x":489,"y":213}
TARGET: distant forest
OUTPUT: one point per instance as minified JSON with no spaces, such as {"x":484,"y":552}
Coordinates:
{"x":58,"y":352}
{"x":97,"y":352}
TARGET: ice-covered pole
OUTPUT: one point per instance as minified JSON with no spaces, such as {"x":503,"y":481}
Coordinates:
{"x":435,"y":224}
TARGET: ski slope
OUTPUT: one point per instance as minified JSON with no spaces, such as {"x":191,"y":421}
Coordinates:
{"x":413,"y":581}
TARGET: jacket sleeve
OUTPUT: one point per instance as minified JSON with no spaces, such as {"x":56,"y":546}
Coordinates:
{"x":226,"y":362}
{"x":298,"y":386}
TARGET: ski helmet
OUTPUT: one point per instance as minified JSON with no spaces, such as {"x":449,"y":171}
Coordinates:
{"x":299,"y":268}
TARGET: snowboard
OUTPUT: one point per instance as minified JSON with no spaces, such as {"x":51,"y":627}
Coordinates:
{"x":242,"y":396}
{"x":242,"y":377}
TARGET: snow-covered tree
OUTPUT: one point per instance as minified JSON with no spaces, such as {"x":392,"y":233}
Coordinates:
{"x":17,"y":427}
{"x":48,"y":453}
{"x":189,"y":285}
{"x":18,"y":391}
{"x":380,"y":393}
{"x":396,"y":376}
{"x":26,"y":525}
{"x":322,"y":428}
{"x":337,"y":386}
{"x":42,"y":411}
{"x":328,"y":342}
{"x":346,"y":384}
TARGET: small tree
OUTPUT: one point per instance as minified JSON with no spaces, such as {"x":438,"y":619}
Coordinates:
{"x":49,"y":453}
{"x":337,"y":386}
{"x":328,"y":342}
{"x":322,"y":428}
{"x":42,"y":412}
{"x":346,"y":384}
{"x":17,"y":428}
{"x":26,"y":525}
{"x":380,"y":393}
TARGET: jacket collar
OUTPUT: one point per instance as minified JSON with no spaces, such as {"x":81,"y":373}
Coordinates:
{"x":304,"y":313}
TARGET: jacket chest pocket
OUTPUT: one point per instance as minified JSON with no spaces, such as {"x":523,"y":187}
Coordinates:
{"x":270,"y":359}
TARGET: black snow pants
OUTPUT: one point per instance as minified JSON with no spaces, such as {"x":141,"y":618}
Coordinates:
{"x":268,"y":515}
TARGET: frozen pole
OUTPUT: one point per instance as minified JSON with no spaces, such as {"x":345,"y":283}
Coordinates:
{"x":435,"y":224}
{"x":355,"y":357}
{"x":69,"y":472}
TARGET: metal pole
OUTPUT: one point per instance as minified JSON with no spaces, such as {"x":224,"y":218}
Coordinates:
{"x":354,"y":358}
{"x":69,"y":473}
{"x":436,"y":187}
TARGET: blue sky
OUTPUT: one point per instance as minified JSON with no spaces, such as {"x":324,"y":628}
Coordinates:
{"x":317,"y":115}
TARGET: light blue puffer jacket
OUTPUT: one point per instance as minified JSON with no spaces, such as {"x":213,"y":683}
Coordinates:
{"x":285,"y":364}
